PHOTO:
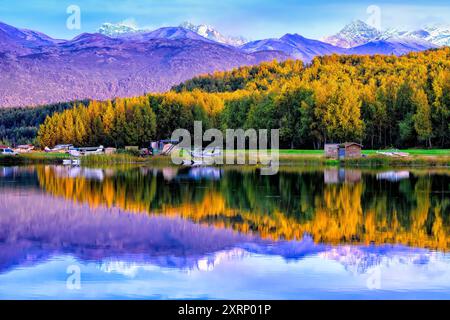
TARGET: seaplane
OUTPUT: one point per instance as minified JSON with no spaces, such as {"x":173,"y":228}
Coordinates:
{"x":60,"y":148}
{"x":77,"y":153}
{"x":201,"y":157}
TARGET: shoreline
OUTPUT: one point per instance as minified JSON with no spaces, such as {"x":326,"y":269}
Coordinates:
{"x":286,"y":158}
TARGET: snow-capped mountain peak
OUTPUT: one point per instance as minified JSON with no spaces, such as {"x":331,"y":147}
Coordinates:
{"x":438,"y":35}
{"x":123,"y":29}
{"x":354,"y":34}
{"x":210,"y":33}
{"x":119,"y":29}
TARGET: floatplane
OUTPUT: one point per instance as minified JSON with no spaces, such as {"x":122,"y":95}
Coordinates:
{"x":77,"y":153}
{"x":201,"y":157}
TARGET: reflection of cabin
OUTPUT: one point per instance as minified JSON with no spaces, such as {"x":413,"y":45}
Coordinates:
{"x":349,"y":150}
{"x":341,"y":175}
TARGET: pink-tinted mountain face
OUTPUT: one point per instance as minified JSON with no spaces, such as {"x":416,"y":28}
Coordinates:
{"x":35,"y":69}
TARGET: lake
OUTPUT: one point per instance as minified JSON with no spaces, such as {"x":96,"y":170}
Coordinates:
{"x":224,"y":233}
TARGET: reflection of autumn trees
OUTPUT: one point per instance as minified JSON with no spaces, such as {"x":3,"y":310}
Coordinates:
{"x":411,"y":212}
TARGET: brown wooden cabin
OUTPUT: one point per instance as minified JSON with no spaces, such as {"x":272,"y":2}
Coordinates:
{"x":348,"y":150}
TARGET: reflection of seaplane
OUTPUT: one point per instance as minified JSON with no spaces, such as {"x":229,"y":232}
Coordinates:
{"x":201,"y":157}
{"x":393,"y":176}
{"x":205,"y":173}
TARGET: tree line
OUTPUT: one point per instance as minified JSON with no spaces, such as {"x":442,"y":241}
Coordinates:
{"x":20,"y":125}
{"x":380,"y":101}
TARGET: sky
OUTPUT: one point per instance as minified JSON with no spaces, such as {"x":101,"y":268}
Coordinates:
{"x":253,"y":19}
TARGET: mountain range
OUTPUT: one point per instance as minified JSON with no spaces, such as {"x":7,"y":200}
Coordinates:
{"x":123,"y":29}
{"x":122,"y":60}
{"x":359,"y":33}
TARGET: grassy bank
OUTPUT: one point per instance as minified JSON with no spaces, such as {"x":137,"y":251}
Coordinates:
{"x":418,"y":157}
{"x":34,"y":157}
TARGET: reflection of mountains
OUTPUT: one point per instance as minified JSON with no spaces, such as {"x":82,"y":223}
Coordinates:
{"x":35,"y":227}
{"x":413,"y":212}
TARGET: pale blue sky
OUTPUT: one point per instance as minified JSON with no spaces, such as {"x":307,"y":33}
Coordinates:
{"x":254,"y":19}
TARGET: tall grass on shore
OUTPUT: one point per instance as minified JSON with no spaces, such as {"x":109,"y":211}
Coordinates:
{"x":123,"y":158}
{"x":34,"y":157}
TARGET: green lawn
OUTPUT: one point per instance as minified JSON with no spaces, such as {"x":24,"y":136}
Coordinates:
{"x":418,"y":152}
{"x":413,"y":152}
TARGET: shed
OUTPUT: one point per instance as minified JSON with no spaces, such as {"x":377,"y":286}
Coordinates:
{"x":348,"y":150}
{"x":332,"y":151}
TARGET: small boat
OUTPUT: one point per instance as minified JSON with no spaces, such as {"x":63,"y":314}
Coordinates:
{"x":393,"y":153}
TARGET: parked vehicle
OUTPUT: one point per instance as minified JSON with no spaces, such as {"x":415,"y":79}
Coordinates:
{"x":7,"y":152}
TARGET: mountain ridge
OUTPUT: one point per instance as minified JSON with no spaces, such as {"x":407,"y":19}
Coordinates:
{"x":98,"y":66}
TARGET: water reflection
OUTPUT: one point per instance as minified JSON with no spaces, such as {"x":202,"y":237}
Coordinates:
{"x":334,"y":205}
{"x":180,"y":229}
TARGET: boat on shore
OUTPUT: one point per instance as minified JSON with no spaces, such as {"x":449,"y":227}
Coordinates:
{"x":393,"y":153}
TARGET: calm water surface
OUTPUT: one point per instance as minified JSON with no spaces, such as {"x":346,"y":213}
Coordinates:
{"x":224,"y":233}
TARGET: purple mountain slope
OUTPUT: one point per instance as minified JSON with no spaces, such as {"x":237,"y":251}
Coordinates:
{"x":22,"y":41}
{"x":306,"y":49}
{"x":36,"y":69}
{"x":34,"y":72}
{"x":392,"y":47}
{"x":169,"y":33}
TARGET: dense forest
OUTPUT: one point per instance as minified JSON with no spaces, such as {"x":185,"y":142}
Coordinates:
{"x":20,"y":125}
{"x":381,"y":101}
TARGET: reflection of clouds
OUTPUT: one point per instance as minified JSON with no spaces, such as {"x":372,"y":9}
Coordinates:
{"x":209,"y":263}
{"x":126,"y":268}
{"x":361,"y":260}
{"x":203,"y":264}
{"x":76,"y":172}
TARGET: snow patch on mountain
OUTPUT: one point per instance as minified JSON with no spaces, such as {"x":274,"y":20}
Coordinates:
{"x":354,"y":34}
{"x":127,"y":29}
{"x":438,"y":35}
{"x":119,"y":29}
{"x":359,"y":33}
{"x":210,"y":33}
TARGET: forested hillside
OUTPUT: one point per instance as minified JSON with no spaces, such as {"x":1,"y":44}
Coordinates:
{"x":381,"y":101}
{"x":20,"y":125}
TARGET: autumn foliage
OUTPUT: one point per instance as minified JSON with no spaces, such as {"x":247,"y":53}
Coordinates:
{"x":381,"y":101}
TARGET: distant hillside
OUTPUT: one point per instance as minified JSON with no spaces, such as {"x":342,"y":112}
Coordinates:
{"x":35,"y":69}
